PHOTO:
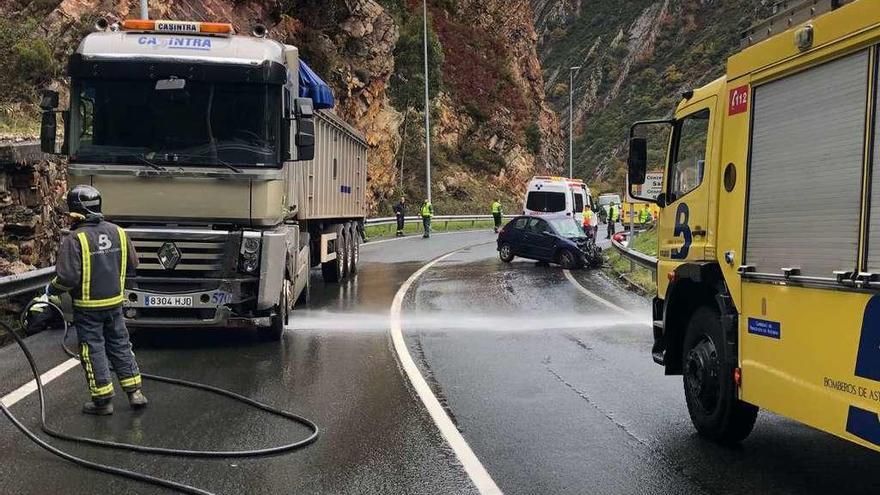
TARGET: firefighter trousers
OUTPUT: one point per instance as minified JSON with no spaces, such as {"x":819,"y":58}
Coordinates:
{"x":104,"y":341}
{"x":400,"y":223}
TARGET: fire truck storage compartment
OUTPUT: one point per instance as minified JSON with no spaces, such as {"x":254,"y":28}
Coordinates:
{"x":805,"y":175}
{"x":333,"y":185}
{"x":873,"y":258}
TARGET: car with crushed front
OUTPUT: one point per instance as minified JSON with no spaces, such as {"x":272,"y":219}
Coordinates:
{"x":550,"y":240}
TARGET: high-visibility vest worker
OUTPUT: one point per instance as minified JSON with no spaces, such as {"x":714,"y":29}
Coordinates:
{"x":644,"y":216}
{"x":613,"y":213}
{"x":496,"y":207}
{"x":588,"y":217}
{"x":427,"y":209}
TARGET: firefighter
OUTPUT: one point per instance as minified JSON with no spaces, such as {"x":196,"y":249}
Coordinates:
{"x":427,"y":211}
{"x":92,"y":264}
{"x":496,"y":214}
{"x":613,"y":217}
{"x":400,"y":214}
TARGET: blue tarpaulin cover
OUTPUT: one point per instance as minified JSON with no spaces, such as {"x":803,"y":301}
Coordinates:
{"x":312,"y":86}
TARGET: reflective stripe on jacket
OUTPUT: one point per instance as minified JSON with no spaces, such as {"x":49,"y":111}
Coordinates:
{"x":92,"y":264}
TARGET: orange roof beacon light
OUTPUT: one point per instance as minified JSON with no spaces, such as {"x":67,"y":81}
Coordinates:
{"x":179,"y":27}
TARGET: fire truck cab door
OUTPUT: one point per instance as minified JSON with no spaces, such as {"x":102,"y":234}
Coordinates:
{"x":684,"y":225}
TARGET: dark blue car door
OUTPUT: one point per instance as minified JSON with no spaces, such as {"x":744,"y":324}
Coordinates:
{"x":539,"y":244}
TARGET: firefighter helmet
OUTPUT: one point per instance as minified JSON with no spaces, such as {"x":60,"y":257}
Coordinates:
{"x":84,"y":200}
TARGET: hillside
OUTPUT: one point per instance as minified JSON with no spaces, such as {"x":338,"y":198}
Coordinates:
{"x":493,"y":129}
{"x":637,"y":57}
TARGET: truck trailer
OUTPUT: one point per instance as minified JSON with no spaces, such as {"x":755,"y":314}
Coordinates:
{"x":222,"y":158}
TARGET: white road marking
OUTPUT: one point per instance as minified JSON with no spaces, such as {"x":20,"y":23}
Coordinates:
{"x":592,"y":295}
{"x":472,"y":465}
{"x":31,"y":386}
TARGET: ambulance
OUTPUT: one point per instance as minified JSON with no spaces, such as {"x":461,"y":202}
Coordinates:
{"x":768,"y":292}
{"x":557,"y":197}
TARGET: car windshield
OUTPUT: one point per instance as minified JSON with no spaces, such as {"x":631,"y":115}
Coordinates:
{"x":567,"y":227}
{"x":175,"y":121}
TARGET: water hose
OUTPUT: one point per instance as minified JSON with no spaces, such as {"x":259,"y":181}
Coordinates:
{"x":295,"y":418}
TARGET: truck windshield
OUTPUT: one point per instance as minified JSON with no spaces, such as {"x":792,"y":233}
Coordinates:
{"x":186,"y":123}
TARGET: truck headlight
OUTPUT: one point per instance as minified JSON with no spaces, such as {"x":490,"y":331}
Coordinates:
{"x":249,"y":256}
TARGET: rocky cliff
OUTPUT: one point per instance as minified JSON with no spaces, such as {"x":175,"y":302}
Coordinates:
{"x":637,"y":57}
{"x":493,"y":128}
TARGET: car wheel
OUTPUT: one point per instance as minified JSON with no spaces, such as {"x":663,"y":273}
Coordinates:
{"x":505,"y":252}
{"x":567,"y":259}
{"x":709,"y":389}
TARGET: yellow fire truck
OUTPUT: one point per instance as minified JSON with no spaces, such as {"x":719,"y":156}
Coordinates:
{"x":769,"y":233}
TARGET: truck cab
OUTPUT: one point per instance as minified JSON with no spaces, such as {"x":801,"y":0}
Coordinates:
{"x":200,"y":141}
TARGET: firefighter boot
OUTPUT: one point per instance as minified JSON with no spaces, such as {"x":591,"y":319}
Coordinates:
{"x":98,"y":407}
{"x":137,"y":399}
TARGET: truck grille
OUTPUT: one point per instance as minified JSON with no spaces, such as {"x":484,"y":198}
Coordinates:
{"x":184,"y":253}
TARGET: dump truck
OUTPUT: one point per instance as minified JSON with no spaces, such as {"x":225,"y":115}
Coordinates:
{"x":222,"y":158}
{"x":769,"y":233}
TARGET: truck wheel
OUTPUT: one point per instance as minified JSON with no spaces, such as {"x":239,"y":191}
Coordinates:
{"x":334,"y":271}
{"x":345,"y":234}
{"x":355,"y":247}
{"x":709,"y":388}
{"x":280,"y":317}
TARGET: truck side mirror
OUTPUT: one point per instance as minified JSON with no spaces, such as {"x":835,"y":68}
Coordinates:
{"x":304,"y":139}
{"x":638,"y":160}
{"x":48,"y":121}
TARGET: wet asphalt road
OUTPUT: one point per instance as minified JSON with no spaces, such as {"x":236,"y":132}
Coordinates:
{"x":554,"y":392}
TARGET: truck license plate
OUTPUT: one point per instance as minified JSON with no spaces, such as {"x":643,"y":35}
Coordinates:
{"x":169,"y":301}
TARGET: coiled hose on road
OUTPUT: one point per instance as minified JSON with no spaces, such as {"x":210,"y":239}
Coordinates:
{"x":141,"y":448}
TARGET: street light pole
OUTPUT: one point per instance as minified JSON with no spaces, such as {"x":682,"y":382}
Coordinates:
{"x":427,"y":99}
{"x":145,"y":13}
{"x":571,"y":72}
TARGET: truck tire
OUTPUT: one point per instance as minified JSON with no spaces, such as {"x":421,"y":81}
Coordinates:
{"x":355,"y":248}
{"x":349,"y":249}
{"x":709,"y":389}
{"x":280,"y":317}
{"x":334,"y":271}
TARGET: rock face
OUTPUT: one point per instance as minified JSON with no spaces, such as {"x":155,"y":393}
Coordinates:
{"x":31,"y":188}
{"x":351,"y":44}
{"x":637,"y":58}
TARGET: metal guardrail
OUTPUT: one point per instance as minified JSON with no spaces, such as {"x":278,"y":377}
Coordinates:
{"x":636,"y":257}
{"x":34,"y":280}
{"x":23,"y":283}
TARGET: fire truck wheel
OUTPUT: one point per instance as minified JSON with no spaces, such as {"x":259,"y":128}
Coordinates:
{"x":709,"y":386}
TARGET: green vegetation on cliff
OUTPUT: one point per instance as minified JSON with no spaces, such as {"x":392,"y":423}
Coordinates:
{"x":637,"y":57}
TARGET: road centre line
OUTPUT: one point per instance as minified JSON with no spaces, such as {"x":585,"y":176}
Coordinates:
{"x":592,"y":295}
{"x":30,"y":387}
{"x":472,"y":465}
